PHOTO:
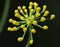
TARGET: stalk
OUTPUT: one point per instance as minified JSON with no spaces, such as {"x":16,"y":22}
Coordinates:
{"x":4,"y":15}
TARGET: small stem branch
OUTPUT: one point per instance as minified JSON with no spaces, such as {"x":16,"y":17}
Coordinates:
{"x":27,"y":45}
{"x":40,"y":26}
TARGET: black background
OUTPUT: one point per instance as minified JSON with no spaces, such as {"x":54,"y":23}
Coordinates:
{"x":42,"y":38}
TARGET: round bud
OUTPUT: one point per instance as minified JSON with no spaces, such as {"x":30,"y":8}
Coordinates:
{"x":24,"y":7}
{"x":37,"y":14}
{"x":32,"y":16}
{"x":44,"y":7}
{"x":15,"y":28}
{"x":33,"y":30}
{"x":24,"y":29}
{"x":34,"y":22}
{"x":35,"y":4}
{"x":16,"y":11}
{"x":38,"y":9}
{"x":20,"y":39}
{"x":32,"y":11}
{"x":46,"y":13}
{"x":19,"y":7}
{"x":30,"y":7}
{"x":31,"y":3}
{"x":9,"y":28}
{"x":26,"y":16}
{"x":14,"y":22}
{"x":45,"y":27}
{"x":21,"y":11}
{"x":52,"y":17}
{"x":11,"y":20}
{"x":31,"y":42}
{"x":17,"y":15}
{"x":22,"y":18}
{"x":22,"y":26}
{"x":43,"y":19}
{"x":25,"y":10}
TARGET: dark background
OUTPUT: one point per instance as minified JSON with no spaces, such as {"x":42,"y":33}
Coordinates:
{"x":42,"y":38}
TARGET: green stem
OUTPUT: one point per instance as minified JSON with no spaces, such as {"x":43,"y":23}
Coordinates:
{"x":30,"y":37}
{"x":4,"y":15}
{"x":31,"y":32}
{"x":24,"y":34}
{"x":39,"y":26}
{"x":27,"y":45}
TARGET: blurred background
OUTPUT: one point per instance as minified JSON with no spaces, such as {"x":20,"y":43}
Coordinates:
{"x":42,"y":38}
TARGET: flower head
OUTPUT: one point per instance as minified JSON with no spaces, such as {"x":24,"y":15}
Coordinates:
{"x":28,"y":20}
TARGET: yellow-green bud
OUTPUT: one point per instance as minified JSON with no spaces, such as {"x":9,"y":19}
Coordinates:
{"x":38,"y":9}
{"x":52,"y":17}
{"x":32,"y":11}
{"x":44,"y":7}
{"x":11,"y":20}
{"x":33,"y":30}
{"x":14,"y":22}
{"x":19,"y":7}
{"x":32,"y":17}
{"x":15,"y":28}
{"x":31,"y":3}
{"x":30,"y":7}
{"x":24,"y":7}
{"x":31,"y":42}
{"x":35,"y":4}
{"x":22,"y":18}
{"x":45,"y":27}
{"x":25,"y":10}
{"x":26,"y":16}
{"x":17,"y":15}
{"x":24,"y":29}
{"x":46,"y":13}
{"x":43,"y":19}
{"x":34,"y":22}
{"x":22,"y":26}
{"x":16,"y":11}
{"x":21,"y":11}
{"x":37,"y":14}
{"x":20,"y":39}
{"x":9,"y":28}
